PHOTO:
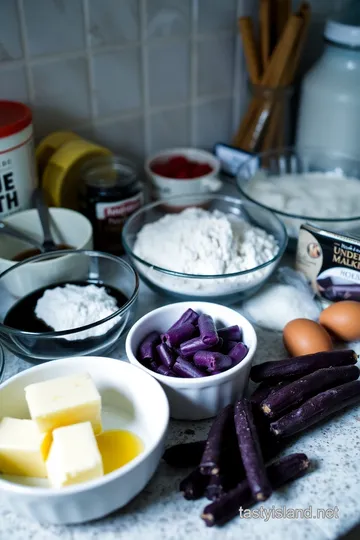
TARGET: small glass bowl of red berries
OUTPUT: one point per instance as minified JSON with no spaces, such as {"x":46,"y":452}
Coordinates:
{"x":183,"y":171}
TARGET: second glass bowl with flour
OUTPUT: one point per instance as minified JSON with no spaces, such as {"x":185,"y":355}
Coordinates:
{"x":223,"y":250}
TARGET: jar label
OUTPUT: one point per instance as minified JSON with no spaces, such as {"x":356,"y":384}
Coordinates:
{"x":17,"y":178}
{"x":116,"y":212}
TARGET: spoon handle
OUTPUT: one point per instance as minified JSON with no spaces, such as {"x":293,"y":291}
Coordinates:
{"x":15,"y":233}
{"x":44,"y":215}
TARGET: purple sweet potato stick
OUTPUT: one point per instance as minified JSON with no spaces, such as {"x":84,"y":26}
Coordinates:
{"x":190,"y":347}
{"x":163,"y":370}
{"x":183,"y":368}
{"x":153,"y":365}
{"x":230,"y":333}
{"x":166,"y":355}
{"x":189,"y":316}
{"x":208,"y":330}
{"x":212,"y":361}
{"x":227,"y":346}
{"x":146,"y":351}
{"x":238,"y":353}
{"x":178,"y":335}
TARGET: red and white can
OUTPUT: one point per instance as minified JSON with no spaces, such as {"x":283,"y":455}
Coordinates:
{"x":17,"y":158}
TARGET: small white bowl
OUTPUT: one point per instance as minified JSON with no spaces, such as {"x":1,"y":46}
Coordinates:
{"x":196,"y":399}
{"x":164,"y":187}
{"x":131,"y":400}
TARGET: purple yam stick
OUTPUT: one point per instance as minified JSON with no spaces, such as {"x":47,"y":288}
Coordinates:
{"x":227,"y":346}
{"x":212,"y":361}
{"x":190,"y":316}
{"x":146,"y":350}
{"x":238,"y":353}
{"x":183,"y":368}
{"x":208,"y":330}
{"x":230,"y":333}
{"x":166,"y":355}
{"x":153,"y":365}
{"x":163,"y":370}
{"x":178,"y":335}
{"x":190,"y":347}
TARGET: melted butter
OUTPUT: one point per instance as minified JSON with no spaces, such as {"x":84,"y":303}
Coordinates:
{"x":118,"y":447}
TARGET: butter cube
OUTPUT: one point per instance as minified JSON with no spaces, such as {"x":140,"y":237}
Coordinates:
{"x":23,"y":449}
{"x":64,"y":401}
{"x":74,"y":456}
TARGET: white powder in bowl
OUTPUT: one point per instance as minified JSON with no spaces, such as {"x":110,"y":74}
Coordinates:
{"x":200,"y":242}
{"x":73,"y":306}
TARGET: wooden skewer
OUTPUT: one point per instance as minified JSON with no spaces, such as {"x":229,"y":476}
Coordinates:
{"x":246,"y":28}
{"x":282,"y":14}
{"x":265,"y":38}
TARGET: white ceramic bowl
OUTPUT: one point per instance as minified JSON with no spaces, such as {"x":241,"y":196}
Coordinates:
{"x":131,"y":400}
{"x":196,"y":399}
{"x":164,"y":187}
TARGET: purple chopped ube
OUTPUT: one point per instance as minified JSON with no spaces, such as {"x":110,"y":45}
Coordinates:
{"x":163,"y":370}
{"x":147,"y":350}
{"x":212,"y":360}
{"x":230,"y":333}
{"x":153,"y":365}
{"x":189,"y":316}
{"x":173,"y":338}
{"x":190,"y":347}
{"x":238,"y":353}
{"x":227,"y":346}
{"x":183,"y":368}
{"x":166,"y":355}
{"x":208,"y":330}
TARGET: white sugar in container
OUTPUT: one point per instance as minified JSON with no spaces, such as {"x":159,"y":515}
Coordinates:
{"x":17,"y":157}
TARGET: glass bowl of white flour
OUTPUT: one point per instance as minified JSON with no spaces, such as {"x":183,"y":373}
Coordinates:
{"x":223,"y":250}
{"x":305,"y":185}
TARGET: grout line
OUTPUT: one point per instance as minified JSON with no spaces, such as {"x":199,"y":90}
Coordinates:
{"x":240,"y":79}
{"x":145,"y":76}
{"x":24,"y":43}
{"x":193,"y":72}
{"x":90,"y":61}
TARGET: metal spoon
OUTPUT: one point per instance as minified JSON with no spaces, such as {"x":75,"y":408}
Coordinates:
{"x":15,"y":233}
{"x":44,"y":215}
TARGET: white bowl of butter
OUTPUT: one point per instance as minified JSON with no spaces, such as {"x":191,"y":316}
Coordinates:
{"x":58,"y":427}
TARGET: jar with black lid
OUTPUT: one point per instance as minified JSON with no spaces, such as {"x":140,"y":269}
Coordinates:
{"x":110,"y":192}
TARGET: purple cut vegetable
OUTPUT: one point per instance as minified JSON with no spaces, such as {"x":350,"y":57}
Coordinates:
{"x":194,"y":485}
{"x":146,"y":350}
{"x":166,"y":355}
{"x":183,"y":368}
{"x":250,"y":450}
{"x":208,"y":330}
{"x":212,"y":361}
{"x":317,"y":409}
{"x":238,"y":353}
{"x":264,"y":390}
{"x":227,"y":346}
{"x":280,"y":473}
{"x":190,"y":347}
{"x":189,"y":316}
{"x":219,"y":433}
{"x":184,"y":454}
{"x":153,"y":365}
{"x":163,"y":370}
{"x":176,"y":336}
{"x":230,"y":333}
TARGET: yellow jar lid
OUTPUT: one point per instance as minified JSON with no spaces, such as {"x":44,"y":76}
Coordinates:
{"x":49,"y":144}
{"x":61,"y":178}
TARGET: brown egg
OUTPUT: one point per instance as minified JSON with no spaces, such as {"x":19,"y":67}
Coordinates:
{"x":303,"y":336}
{"x":343,"y":320}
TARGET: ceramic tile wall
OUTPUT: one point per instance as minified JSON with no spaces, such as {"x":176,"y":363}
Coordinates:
{"x":136,"y":75}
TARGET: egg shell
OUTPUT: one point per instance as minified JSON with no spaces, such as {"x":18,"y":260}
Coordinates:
{"x":304,"y":336}
{"x":342,"y":319}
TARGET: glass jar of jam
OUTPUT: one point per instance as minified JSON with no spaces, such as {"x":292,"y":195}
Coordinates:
{"x":110,"y":192}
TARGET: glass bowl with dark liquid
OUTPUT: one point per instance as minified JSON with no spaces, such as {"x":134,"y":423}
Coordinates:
{"x":30,"y":338}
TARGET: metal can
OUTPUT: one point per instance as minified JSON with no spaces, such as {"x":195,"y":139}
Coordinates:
{"x":110,"y":192}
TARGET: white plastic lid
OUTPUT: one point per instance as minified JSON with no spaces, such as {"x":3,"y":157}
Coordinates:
{"x":341,"y":33}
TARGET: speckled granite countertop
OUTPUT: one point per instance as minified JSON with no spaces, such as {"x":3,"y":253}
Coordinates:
{"x":159,"y":512}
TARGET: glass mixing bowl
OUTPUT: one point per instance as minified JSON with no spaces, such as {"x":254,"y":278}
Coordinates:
{"x":295,"y":162}
{"x":223,"y":288}
{"x":59,"y":268}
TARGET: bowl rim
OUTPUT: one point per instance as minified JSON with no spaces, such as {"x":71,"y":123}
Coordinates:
{"x":2,"y":362}
{"x":209,"y":197}
{"x":215,"y":162}
{"x":60,"y":253}
{"x":183,"y":382}
{"x":240,"y":181}
{"x":107,"y":478}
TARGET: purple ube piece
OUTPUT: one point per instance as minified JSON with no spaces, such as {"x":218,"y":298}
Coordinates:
{"x":190,"y":347}
{"x":146,"y":351}
{"x":163,"y":370}
{"x":183,"y":368}
{"x":178,"y":335}
{"x":153,"y":366}
{"x":227,"y":346}
{"x":230,"y":333}
{"x":238,"y":353}
{"x":166,"y":355}
{"x":208,"y":330}
{"x":212,"y":360}
{"x":189,"y":316}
